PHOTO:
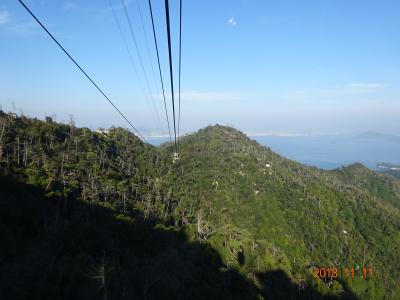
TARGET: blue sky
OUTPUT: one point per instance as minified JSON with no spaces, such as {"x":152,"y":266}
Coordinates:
{"x":263,"y":66}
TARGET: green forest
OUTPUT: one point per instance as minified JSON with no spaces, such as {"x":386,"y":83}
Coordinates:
{"x":102,"y":215}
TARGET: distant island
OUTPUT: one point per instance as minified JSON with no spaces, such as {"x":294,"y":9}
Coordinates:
{"x":388,"y":166}
{"x":390,"y":169}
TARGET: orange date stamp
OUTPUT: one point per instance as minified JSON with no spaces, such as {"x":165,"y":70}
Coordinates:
{"x":347,"y":273}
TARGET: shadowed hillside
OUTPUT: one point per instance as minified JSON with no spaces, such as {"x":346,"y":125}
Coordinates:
{"x":54,"y":249}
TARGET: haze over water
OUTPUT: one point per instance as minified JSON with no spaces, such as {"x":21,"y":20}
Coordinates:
{"x":329,"y":151}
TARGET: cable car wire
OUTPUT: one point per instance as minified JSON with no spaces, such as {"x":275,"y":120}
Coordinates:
{"x":128,"y":51}
{"x":180,"y":67}
{"x":159,"y":69}
{"x":170,"y":67}
{"x":146,"y":41}
{"x":81,"y":69}
{"x":140,"y":58}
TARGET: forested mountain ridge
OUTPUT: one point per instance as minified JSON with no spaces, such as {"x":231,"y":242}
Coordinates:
{"x":308,"y":216}
{"x":230,"y":219}
{"x":378,"y":184}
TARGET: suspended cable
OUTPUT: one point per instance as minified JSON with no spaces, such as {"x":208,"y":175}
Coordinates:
{"x":151,"y":62}
{"x":80,"y":68}
{"x":146,"y":41}
{"x":159,"y":69}
{"x":129,"y":54}
{"x":140,"y":58}
{"x":180,"y":67}
{"x":170,"y":67}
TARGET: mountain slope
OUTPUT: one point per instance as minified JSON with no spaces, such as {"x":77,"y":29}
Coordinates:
{"x":378,"y":184}
{"x":267,"y":220}
{"x":53,"y":250}
{"x":303,"y":216}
